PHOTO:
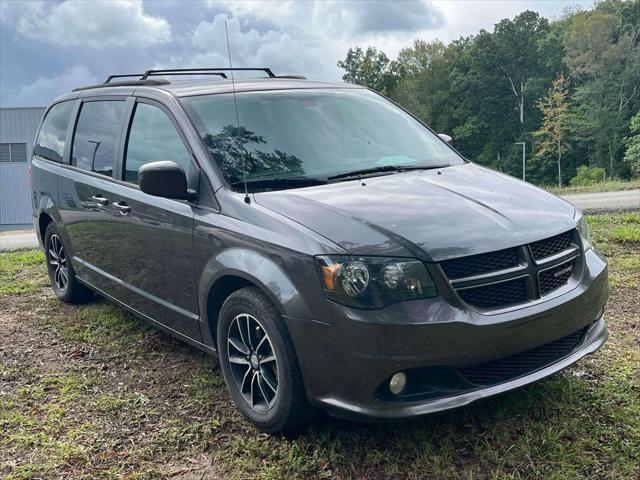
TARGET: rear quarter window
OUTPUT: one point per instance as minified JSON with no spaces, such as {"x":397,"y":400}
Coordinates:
{"x":53,"y":132}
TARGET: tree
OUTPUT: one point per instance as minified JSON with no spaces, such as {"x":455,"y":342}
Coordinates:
{"x":602,"y":53}
{"x":420,"y":57}
{"x":555,"y":123}
{"x":229,"y":149}
{"x":517,"y":55}
{"x":632,"y":154}
{"x":485,"y":88}
{"x":371,"y":68}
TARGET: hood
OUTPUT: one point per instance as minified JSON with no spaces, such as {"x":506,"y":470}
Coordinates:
{"x":429,"y":214}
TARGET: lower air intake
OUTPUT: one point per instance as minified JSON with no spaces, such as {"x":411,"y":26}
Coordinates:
{"x":521,"y":364}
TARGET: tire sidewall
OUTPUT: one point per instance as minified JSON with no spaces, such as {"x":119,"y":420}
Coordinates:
{"x":65,"y":295}
{"x":246,"y":304}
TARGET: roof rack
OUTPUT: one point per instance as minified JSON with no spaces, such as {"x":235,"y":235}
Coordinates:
{"x":124,"y":75}
{"x":143,"y":78}
{"x":141,"y":75}
{"x":204,"y":71}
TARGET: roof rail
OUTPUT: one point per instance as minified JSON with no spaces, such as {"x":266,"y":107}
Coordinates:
{"x":126,"y":83}
{"x":204,"y":71}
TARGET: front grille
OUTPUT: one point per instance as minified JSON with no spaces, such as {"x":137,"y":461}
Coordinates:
{"x":515,"y":275}
{"x":483,"y":263}
{"x":555,"y":277}
{"x":550,"y":246}
{"x":497,"y":294}
{"x":523,"y":363}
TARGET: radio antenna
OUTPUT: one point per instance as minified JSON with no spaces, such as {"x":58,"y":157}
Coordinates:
{"x":247,"y":199}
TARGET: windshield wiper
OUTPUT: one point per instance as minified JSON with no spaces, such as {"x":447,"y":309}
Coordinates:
{"x":285,"y":182}
{"x":384,"y":168}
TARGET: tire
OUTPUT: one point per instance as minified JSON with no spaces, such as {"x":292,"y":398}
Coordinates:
{"x":246,"y":318}
{"x":63,"y":278}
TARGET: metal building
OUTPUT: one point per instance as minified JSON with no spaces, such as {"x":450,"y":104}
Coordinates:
{"x":18,"y":127}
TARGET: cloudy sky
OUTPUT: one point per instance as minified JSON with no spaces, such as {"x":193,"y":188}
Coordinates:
{"x":49,"y":47}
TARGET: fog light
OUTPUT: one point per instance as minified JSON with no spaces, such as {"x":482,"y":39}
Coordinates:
{"x":397,"y":383}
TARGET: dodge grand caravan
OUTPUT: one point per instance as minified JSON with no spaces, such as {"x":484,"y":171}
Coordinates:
{"x":331,"y":249}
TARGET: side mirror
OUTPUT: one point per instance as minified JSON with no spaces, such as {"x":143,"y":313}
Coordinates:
{"x":164,"y":179}
{"x":445,"y":137}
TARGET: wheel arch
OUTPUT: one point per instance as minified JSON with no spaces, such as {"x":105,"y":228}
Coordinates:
{"x":234,"y":269}
{"x":44,"y":219}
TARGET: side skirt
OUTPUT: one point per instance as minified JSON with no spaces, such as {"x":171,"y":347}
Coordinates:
{"x":155,"y":323}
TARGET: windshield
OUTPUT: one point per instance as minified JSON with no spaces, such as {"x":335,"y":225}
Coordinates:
{"x":290,"y":136}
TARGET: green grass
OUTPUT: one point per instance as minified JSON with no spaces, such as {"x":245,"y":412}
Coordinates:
{"x":615,"y":234}
{"x":92,"y":392}
{"x":606,"y":186}
{"x":21,"y":272}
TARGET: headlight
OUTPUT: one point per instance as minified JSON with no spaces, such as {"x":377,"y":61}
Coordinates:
{"x":583,"y":230}
{"x":373,"y":282}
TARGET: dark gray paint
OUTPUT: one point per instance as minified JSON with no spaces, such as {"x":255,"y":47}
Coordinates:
{"x":165,"y":257}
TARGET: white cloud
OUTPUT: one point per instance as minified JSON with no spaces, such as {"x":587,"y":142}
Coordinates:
{"x":43,"y":90}
{"x":95,"y":24}
{"x":285,"y":50}
{"x":295,"y":37}
{"x":343,"y":18}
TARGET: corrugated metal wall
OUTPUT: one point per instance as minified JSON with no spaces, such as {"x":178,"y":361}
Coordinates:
{"x":15,"y":207}
{"x":17,"y":125}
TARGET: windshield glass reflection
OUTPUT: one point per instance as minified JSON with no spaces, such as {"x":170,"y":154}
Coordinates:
{"x":315,"y":134}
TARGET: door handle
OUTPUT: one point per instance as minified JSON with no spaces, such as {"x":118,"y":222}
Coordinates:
{"x":122,"y":206}
{"x":100,"y":199}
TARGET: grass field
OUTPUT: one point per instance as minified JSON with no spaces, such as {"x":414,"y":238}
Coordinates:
{"x":92,"y":392}
{"x":606,"y":186}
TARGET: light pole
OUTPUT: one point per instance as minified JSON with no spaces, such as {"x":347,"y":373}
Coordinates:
{"x":523,"y":158}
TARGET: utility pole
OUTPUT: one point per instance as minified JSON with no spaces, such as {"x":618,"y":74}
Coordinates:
{"x":523,"y":159}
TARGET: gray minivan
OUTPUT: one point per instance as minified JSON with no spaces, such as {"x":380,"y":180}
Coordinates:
{"x":330,"y":248}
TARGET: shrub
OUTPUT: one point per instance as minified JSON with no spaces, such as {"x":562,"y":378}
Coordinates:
{"x":587,"y":175}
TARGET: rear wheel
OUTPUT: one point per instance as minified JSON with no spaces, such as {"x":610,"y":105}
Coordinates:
{"x":61,"y":273}
{"x":259,"y":363}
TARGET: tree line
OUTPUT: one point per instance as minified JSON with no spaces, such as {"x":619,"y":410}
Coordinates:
{"x":568,"y":88}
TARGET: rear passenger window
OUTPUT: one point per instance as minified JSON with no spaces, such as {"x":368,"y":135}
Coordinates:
{"x":153,"y":137}
{"x":94,"y":142}
{"x":53,"y":132}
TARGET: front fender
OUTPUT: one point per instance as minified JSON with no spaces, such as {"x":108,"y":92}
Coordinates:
{"x":258,"y":269}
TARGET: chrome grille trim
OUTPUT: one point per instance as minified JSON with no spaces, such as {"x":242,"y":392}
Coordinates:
{"x":487,"y":278}
{"x":565,"y":255}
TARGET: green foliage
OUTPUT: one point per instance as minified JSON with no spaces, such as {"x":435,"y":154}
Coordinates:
{"x":632,"y":154}
{"x":371,"y":68}
{"x":587,"y":176}
{"x":490,"y":90}
{"x":552,"y":134}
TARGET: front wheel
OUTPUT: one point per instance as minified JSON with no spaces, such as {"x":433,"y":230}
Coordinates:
{"x":259,"y":363}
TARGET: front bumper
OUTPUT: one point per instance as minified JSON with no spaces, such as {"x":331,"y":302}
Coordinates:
{"x":347,"y":360}
{"x":593,"y":339}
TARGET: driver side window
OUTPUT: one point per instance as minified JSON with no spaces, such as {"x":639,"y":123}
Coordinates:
{"x":153,"y":137}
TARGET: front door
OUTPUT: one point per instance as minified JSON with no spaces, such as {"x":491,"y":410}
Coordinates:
{"x":151,"y":239}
